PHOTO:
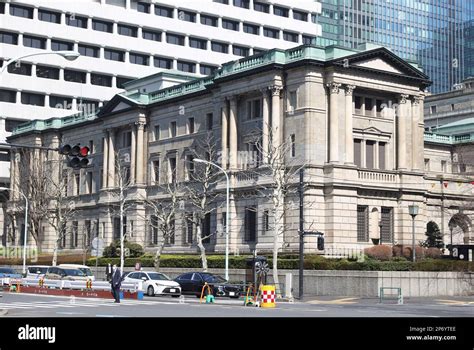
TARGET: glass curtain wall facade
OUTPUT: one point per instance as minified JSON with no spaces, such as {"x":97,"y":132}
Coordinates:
{"x":435,"y":33}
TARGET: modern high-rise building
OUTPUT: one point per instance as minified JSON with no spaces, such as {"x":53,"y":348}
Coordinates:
{"x":120,"y":40}
{"x":433,"y":33}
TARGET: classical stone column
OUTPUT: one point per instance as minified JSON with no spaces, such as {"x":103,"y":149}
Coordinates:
{"x":415,"y":117}
{"x":349,"y":124}
{"x":277,"y":133}
{"x":402,"y":131}
{"x":133,"y":155}
{"x":333,"y":122}
{"x":111,"y":159}
{"x":140,"y":150}
{"x":233,"y":134}
{"x":105,"y":157}
{"x":265,"y":124}
{"x":224,"y":134}
{"x":421,"y":134}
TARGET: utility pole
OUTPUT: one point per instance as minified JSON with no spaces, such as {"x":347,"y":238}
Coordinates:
{"x":301,"y":233}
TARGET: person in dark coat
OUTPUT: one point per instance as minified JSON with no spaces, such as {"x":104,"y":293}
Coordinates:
{"x":116,"y":283}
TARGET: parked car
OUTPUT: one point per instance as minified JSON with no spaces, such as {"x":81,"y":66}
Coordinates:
{"x":7,"y":272}
{"x":192,"y":283}
{"x":63,"y":273}
{"x":155,"y":283}
{"x":86,"y":269}
{"x":36,"y":271}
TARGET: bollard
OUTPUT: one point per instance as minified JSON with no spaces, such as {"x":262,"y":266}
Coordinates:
{"x":268,"y":296}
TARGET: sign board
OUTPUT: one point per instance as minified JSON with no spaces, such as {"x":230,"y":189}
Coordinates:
{"x":98,"y":243}
{"x":97,"y":252}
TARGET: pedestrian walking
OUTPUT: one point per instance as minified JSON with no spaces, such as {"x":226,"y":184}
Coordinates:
{"x":116,"y":283}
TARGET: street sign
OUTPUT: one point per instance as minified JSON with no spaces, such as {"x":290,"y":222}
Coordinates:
{"x":98,"y":243}
{"x":97,"y":252}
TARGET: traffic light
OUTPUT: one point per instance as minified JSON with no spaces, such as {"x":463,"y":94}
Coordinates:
{"x":77,"y":155}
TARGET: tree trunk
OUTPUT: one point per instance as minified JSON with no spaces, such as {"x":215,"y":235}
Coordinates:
{"x":55,"y":253}
{"x":158,"y":255}
{"x":122,"y":253}
{"x":201,"y":248}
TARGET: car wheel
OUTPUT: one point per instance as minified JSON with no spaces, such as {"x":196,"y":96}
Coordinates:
{"x":150,"y":291}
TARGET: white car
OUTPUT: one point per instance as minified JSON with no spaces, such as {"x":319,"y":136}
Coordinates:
{"x":86,"y":269}
{"x":36,"y":271}
{"x":154,"y":283}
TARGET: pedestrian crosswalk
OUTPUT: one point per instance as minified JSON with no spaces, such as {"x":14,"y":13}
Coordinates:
{"x":71,"y":303}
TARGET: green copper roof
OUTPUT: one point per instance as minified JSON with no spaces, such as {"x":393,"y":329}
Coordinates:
{"x":271,"y":57}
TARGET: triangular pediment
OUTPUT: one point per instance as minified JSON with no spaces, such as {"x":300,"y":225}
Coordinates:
{"x":379,"y":64}
{"x":117,"y":104}
{"x":121,"y":106}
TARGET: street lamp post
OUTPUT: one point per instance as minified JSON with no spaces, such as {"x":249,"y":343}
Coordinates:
{"x":413,"y":210}
{"x":380,"y":230}
{"x":26,"y":224}
{"x":197,"y":160}
{"x":69,"y":55}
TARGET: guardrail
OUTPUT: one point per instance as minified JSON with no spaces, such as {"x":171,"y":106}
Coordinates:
{"x":65,"y":284}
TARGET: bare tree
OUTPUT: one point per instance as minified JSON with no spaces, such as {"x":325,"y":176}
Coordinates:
{"x":201,"y":189}
{"x":163,"y":216}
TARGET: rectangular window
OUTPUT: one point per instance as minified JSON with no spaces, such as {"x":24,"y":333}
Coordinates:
{"x":189,"y":234}
{"x":175,"y":39}
{"x":76,"y":21}
{"x":58,"y":45}
{"x":280,"y":11}
{"x":387,"y":225}
{"x":261,"y":7}
{"x":308,"y":40}
{"x":173,"y":129}
{"x":382,"y":162}
{"x":47,"y":72}
{"x":358,"y":152}
{"x":206,"y":228}
{"x":444,"y":167}
{"x":74,"y":234}
{"x":77,"y":184}
{"x":251,"y":29}
{"x":22,"y":69}
{"x":242,"y":3}
{"x":28,"y":98}
{"x":127,"y":30}
{"x":369,"y":157}
{"x":219,"y":47}
{"x":89,"y":51}
{"x":91,"y":147}
{"x":191,"y":126}
{"x":250,"y":224}
{"x":157,"y":132}
{"x":154,"y":223}
{"x":254,"y":110}
{"x":7,"y":96}
{"x":229,"y":24}
{"x":362,"y":223}
{"x":288,"y":36}
{"x":101,"y":80}
{"x":2,"y":8}
{"x":127,"y":139}
{"x":358,"y":104}
{"x":34,"y":42}
{"x":241,"y":51}
{"x":186,"y":67}
{"x":172,"y":170}
{"x":198,"y":43}
{"x":164,"y":11}
{"x":75,"y":76}
{"x":293,"y":145}
{"x":161,"y":62}
{"x":102,"y":26}
{"x":292,"y":101}
{"x":136,"y":58}
{"x":271,"y":33}
{"x":60,"y":102}
{"x":114,"y":55}
{"x":49,"y":16}
{"x":143,"y":7}
{"x":209,"y":20}
{"x":21,"y":11}
{"x":427,"y":164}
{"x":156,"y":172}
{"x":258,"y":51}
{"x":151,"y":35}
{"x":207,"y":70}
{"x":187,"y":16}
{"x":266,"y":220}
{"x":368,"y":106}
{"x":432,"y":109}
{"x":8,"y":38}
{"x":300,"y":16}
{"x":89,"y":186}
{"x":189,"y":166}
{"x":209,"y":121}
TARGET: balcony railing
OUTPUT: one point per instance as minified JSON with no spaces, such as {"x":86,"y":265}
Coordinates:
{"x":377,"y":176}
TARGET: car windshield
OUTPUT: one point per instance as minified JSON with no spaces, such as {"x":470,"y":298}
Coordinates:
{"x":213,"y":278}
{"x":37,"y":269}
{"x":158,"y":276}
{"x":74,"y":272}
{"x":86,"y":271}
{"x":6,"y":270}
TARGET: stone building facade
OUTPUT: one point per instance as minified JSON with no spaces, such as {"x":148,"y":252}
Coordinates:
{"x":353,"y":118}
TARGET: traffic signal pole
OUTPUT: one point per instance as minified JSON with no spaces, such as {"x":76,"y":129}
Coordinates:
{"x":17,"y":145}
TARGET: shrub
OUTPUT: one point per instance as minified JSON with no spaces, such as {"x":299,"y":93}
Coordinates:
{"x":419,"y":252}
{"x":379,"y":252}
{"x":433,"y":253}
{"x":397,"y":250}
{"x":113,"y":250}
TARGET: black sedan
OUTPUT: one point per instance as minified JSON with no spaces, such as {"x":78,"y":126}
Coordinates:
{"x":192,"y":283}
